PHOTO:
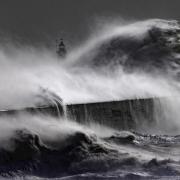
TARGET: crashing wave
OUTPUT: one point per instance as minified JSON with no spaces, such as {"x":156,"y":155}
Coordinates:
{"x":152,"y":45}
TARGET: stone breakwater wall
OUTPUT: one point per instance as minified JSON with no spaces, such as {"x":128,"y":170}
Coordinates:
{"x":121,"y":115}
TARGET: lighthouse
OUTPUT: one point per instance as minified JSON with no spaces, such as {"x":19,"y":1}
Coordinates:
{"x":61,"y":48}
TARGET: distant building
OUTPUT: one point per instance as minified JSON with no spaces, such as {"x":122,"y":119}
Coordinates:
{"x":61,"y":48}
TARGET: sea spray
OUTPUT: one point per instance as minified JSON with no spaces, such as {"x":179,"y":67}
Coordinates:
{"x":96,"y":71}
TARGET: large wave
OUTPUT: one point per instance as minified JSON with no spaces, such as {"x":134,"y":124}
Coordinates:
{"x":124,"y":61}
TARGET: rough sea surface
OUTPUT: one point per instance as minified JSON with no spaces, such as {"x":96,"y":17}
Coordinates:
{"x":84,"y":154}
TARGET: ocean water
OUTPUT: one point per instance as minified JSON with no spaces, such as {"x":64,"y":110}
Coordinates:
{"x":120,"y":61}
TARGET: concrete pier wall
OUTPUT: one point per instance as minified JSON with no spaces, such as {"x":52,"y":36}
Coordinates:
{"x":123,"y":115}
{"x":127,"y":114}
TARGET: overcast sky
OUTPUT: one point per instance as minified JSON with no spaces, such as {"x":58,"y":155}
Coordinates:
{"x":42,"y":20}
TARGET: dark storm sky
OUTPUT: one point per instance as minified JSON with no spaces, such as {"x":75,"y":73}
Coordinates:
{"x":41,"y":20}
